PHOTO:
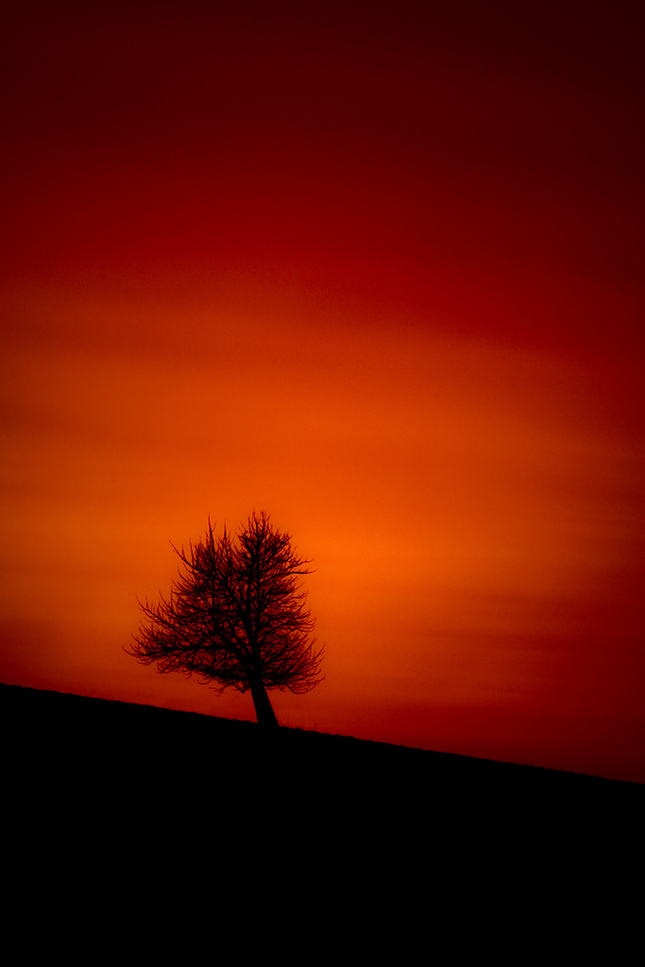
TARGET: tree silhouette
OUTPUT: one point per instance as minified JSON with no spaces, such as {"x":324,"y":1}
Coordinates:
{"x":236,"y":617}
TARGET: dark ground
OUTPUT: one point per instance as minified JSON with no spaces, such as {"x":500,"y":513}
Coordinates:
{"x":81,"y":736}
{"x":175,"y":820}
{"x":88,"y":776}
{"x":71,"y":744}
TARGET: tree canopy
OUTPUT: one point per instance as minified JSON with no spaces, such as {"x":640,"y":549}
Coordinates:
{"x":236,"y":616}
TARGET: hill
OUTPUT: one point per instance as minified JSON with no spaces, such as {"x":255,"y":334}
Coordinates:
{"x":72,"y":738}
{"x":98,"y":786}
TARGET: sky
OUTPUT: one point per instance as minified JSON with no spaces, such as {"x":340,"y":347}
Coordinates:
{"x":376,"y":270}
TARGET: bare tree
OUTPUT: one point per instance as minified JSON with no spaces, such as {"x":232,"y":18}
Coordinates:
{"x":236,"y":617}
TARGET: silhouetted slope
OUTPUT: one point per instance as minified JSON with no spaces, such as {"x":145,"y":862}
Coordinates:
{"x":72,"y":738}
{"x":144,"y":819}
{"x":125,"y":795}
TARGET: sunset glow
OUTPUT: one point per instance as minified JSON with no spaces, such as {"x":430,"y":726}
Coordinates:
{"x":383,"y":282}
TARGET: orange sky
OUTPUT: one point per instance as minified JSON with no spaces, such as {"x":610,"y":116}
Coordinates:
{"x":377,"y":274}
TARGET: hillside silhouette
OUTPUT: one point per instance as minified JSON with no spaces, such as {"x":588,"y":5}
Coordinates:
{"x":116,"y":791}
{"x":139,"y":806}
{"x":71,"y":740}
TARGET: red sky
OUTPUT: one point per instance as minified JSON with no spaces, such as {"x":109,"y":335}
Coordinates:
{"x":376,"y":271}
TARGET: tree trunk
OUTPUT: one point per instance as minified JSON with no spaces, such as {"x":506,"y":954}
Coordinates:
{"x":263,"y":709}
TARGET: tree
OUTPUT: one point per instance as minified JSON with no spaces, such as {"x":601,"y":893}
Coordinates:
{"x":236,"y":617}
